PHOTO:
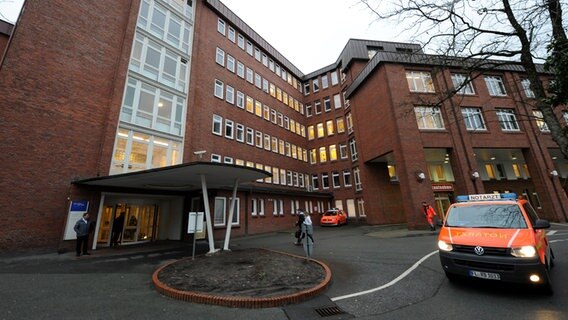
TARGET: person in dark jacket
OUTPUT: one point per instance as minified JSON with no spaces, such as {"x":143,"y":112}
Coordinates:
{"x":301,"y":218}
{"x":117,"y":227}
{"x":82,"y":229}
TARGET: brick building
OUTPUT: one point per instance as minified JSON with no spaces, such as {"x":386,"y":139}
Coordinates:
{"x":159,"y":83}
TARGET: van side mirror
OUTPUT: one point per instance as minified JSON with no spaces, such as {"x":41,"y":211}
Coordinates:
{"x":541,"y":224}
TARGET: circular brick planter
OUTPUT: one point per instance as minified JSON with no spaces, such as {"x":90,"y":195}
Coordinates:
{"x":240,"y":301}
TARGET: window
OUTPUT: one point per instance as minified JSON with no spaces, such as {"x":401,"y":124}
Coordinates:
{"x":320,"y":130}
{"x":259,"y":141}
{"x":240,"y":100}
{"x":324,"y":81}
{"x":235,"y":220}
{"x":507,"y":120}
{"x":349,"y":120}
{"x":215,"y":158}
{"x":332,"y":152}
{"x":429,"y":118}
{"x":231,"y":34}
{"x":241,"y":41}
{"x":357,"y":177}
{"x":462,"y":83}
{"x":313,"y":156}
{"x":250,"y":75}
{"x":337,"y":101}
{"x":526,"y":83}
{"x":308,"y":110}
{"x":258,"y":108}
{"x":249,"y":48}
{"x":275,"y":175}
{"x":230,"y":63}
{"x":250,"y":136}
{"x":323,"y":154}
{"x":315,"y":181}
{"x":335,"y":179}
{"x":218,"y":89}
{"x":219,"y":211}
{"x":306,"y":88}
{"x":221,"y":26}
{"x":392,"y":172}
{"x":240,"y":135}
{"x":265,"y":59}
{"x":353,"y":147}
{"x":217,"y":125}
{"x":343,"y":150}
{"x":329,"y":126}
{"x":230,"y":94}
{"x":250,"y":104}
{"x":315,"y":84}
{"x":347,"y":178}
{"x":495,"y":86}
{"x":334,"y":79}
{"x":340,"y":125}
{"x":220,"y":57}
{"x":257,"y":54}
{"x":229,"y":126}
{"x":258,"y":80}
{"x":240,"y":69}
{"x":473,"y":119}
{"x":325,"y":181}
{"x":317,"y":106}
{"x":326,"y":104}
{"x":542,"y":126}
{"x":419,"y":81}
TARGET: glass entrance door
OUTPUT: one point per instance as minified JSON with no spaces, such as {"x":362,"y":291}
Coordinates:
{"x":140,"y":223}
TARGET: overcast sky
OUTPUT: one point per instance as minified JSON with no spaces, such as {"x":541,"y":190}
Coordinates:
{"x":309,"y":33}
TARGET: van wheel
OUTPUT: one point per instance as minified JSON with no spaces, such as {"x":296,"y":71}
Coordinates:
{"x":547,"y":285}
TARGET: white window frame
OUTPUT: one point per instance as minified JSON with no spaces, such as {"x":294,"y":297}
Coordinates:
{"x":462,"y":84}
{"x":507,"y":120}
{"x":217,"y":126}
{"x":420,"y":81}
{"x":219,"y":212}
{"x":429,"y":118}
{"x":220,"y":57}
{"x":495,"y":86}
{"x":473,"y":119}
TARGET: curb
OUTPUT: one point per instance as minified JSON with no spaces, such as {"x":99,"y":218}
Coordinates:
{"x":239,"y":301}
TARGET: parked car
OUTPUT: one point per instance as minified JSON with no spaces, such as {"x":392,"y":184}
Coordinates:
{"x":333,"y":217}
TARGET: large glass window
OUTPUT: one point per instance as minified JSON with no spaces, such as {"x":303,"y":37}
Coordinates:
{"x":508,"y":120}
{"x":165,"y":24}
{"x":419,"y":81}
{"x":219,"y":211}
{"x":158,"y":63}
{"x":542,"y":126}
{"x":134,"y":151}
{"x":429,"y":118}
{"x":473,"y":119}
{"x":526,"y":83}
{"x":462,"y":83}
{"x":150,"y":107}
{"x":495,"y":86}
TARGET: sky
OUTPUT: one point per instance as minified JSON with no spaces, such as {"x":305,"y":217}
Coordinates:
{"x":309,"y":33}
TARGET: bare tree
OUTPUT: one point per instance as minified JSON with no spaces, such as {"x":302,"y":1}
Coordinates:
{"x":489,"y":33}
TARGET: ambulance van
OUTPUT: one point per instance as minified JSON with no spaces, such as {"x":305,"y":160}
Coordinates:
{"x":496,"y":237}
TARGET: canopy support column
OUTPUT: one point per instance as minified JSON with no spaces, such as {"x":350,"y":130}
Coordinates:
{"x":231,"y":212}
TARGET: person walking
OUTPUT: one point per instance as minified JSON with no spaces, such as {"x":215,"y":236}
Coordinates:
{"x":308,"y":233}
{"x":429,"y":213}
{"x":82,"y":228}
{"x":299,"y":223}
{"x":117,"y":226}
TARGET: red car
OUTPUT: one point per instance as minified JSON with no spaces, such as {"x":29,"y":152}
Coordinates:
{"x":333,"y":217}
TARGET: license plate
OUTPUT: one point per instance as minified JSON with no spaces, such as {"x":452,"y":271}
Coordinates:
{"x":484,"y":275}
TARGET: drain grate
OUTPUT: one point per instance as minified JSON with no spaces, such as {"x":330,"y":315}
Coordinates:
{"x":329,"y":311}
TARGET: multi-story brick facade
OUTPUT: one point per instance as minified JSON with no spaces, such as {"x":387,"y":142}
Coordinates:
{"x":155,"y":83}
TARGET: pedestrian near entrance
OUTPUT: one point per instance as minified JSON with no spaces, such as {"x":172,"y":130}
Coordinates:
{"x":429,"y":213}
{"x":299,"y":223}
{"x":117,"y":226}
{"x":82,"y":228}
{"x":308,"y":234}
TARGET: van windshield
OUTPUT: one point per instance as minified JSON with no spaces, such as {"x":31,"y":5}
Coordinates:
{"x":503,"y":216}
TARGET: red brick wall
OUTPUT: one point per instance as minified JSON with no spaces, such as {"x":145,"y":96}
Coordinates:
{"x":61,"y":85}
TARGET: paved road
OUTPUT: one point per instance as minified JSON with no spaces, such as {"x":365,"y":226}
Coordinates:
{"x":361,"y":258}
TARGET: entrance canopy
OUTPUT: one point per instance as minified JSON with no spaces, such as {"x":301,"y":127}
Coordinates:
{"x":187,"y":177}
{"x":183,"y":177}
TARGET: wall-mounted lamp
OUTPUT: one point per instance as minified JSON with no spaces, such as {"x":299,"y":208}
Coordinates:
{"x":420,"y":175}
{"x":199,"y":153}
{"x":474,"y":175}
{"x":554,"y":173}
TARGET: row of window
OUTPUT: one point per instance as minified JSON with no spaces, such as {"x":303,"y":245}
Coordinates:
{"x":431,"y":118}
{"x":279,"y":176}
{"x":256,"y":107}
{"x":257,"y":80}
{"x":256,"y":138}
{"x":326,"y":129}
{"x":255,"y":52}
{"x":315,"y":83}
{"x":420,"y":81}
{"x":327,"y":107}
{"x":323,"y":181}
{"x":165,"y":24}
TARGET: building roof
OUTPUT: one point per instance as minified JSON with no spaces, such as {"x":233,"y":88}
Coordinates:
{"x":183,"y":177}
